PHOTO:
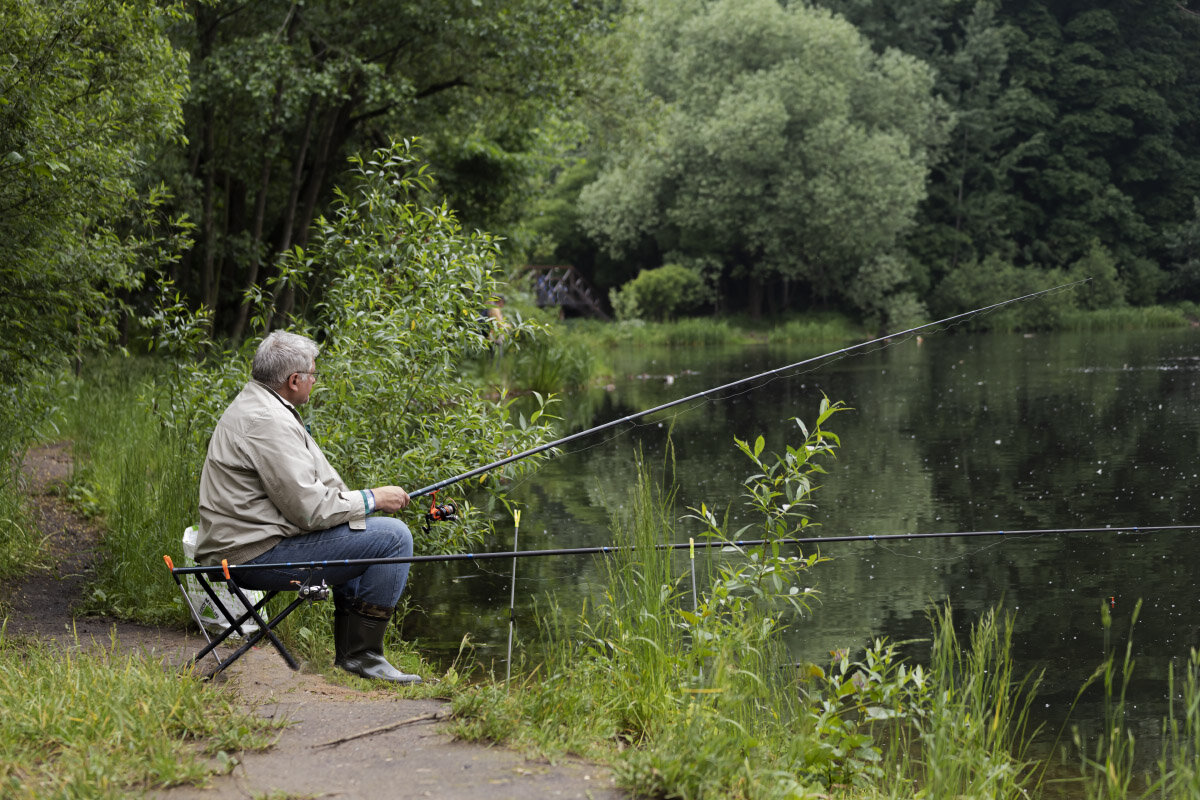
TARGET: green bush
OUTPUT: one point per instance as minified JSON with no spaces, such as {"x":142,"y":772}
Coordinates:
{"x":1104,"y":288}
{"x":976,"y":285}
{"x":392,"y":287}
{"x":660,"y":294}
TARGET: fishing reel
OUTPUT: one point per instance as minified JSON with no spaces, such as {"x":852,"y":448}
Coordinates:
{"x":440,"y":512}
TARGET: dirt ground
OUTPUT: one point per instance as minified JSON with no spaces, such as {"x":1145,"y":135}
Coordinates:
{"x":338,"y":743}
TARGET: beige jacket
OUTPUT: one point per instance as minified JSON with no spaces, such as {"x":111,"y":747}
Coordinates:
{"x":264,"y":479}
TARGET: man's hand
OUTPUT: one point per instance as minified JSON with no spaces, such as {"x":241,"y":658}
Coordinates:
{"x":390,"y":498}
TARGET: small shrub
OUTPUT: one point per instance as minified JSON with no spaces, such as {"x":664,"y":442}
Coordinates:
{"x":1104,"y":288}
{"x":660,"y":294}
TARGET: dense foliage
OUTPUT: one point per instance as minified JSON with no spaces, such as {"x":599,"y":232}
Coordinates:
{"x":87,"y":89}
{"x":284,"y":92}
{"x":854,"y":154}
{"x":1068,"y":130}
{"x":1075,"y":122}
{"x":397,"y":289}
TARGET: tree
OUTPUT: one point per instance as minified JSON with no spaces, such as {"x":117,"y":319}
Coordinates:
{"x":1118,"y":159}
{"x":1076,"y":122}
{"x":286,"y":91}
{"x":787,"y":149}
{"x":87,"y":90}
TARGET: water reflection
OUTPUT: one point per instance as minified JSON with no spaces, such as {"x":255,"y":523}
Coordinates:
{"x":965,"y":432}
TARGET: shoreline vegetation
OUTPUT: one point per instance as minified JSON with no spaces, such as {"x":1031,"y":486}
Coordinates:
{"x":574,"y":354}
{"x":682,"y":698}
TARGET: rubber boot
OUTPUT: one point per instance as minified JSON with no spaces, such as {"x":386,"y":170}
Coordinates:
{"x":358,"y":643}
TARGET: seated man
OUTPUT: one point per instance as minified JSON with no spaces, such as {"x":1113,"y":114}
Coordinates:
{"x":268,"y":495}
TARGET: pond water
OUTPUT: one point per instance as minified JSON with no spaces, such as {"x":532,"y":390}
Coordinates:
{"x":962,"y":432}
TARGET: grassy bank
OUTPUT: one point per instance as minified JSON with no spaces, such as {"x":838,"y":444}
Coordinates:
{"x":98,"y":724}
{"x":686,"y":698}
{"x":743,"y":330}
{"x":711,"y":331}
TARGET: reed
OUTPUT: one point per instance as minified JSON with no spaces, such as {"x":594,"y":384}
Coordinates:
{"x":712,"y":331}
{"x":1110,"y":766}
{"x":1108,"y":770}
{"x":817,"y":328}
{"x":971,"y":734}
{"x":1179,"y":761}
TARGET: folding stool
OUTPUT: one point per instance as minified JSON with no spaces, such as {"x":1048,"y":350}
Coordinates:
{"x":203,"y":576}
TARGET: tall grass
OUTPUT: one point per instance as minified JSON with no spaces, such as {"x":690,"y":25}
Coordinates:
{"x":1124,"y":319}
{"x":19,"y":538}
{"x":713,"y":331}
{"x":1179,"y":761}
{"x":971,"y":735}
{"x":816,"y":328}
{"x":98,"y":724}
{"x":141,"y":478}
{"x":1110,"y":764}
{"x":544,"y":366}
{"x":627,"y":680}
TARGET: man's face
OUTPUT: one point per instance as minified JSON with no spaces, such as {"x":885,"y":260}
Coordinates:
{"x":299,"y":385}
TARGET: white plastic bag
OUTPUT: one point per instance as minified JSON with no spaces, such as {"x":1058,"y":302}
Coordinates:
{"x":203,"y":609}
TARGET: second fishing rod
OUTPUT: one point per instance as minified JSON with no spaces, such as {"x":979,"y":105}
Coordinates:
{"x":434,"y":487}
{"x":703,"y":544}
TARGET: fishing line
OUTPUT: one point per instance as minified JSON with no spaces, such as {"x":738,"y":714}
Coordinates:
{"x":788,"y":370}
{"x":949,"y":557}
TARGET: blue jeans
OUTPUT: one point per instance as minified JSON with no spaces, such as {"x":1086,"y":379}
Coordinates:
{"x":373,"y":590}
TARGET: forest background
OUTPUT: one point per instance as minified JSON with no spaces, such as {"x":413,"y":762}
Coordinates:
{"x":888,"y":160}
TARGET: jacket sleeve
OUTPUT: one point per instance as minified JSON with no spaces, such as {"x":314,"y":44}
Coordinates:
{"x":298,"y":479}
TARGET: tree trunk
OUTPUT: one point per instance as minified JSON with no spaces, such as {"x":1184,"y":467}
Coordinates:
{"x":334,"y":134}
{"x":756,"y":297}
{"x":289,"y":213}
{"x":256,"y":249}
{"x":207,"y":223}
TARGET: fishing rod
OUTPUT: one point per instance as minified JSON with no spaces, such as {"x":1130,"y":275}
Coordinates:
{"x":227,"y":569}
{"x":433,"y":487}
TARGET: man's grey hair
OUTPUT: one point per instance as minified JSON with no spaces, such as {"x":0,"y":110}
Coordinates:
{"x":281,"y":354}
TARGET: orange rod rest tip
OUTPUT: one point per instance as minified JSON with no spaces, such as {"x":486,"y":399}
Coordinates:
{"x":225,"y":568}
{"x":170,"y":563}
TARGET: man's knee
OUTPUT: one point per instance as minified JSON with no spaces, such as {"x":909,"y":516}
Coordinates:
{"x":393,"y":535}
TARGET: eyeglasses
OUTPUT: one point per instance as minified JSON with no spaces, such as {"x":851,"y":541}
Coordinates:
{"x":313,"y":373}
